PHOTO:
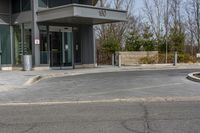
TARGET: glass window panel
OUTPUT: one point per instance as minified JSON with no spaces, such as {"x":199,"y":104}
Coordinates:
{"x":17,"y":45}
{"x":68,"y":48}
{"x":27,"y":49}
{"x":26,"y":5}
{"x":54,"y":3}
{"x":44,"y":50}
{"x":16,"y":6}
{"x":75,"y":1}
{"x":86,"y":2}
{"x":42,"y":3}
{"x":5,"y":44}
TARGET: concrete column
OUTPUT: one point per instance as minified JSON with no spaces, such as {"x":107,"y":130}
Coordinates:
{"x":35,"y":34}
{"x":88,"y":46}
{"x":95,"y":48}
{"x":73,"y":60}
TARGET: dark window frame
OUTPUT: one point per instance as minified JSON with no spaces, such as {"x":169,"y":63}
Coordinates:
{"x":25,"y":6}
{"x":20,"y":7}
{"x":16,"y":6}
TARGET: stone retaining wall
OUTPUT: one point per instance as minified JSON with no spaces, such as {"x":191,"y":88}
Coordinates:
{"x":133,"y":58}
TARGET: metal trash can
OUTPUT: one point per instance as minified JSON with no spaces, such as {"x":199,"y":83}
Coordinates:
{"x":27,"y":62}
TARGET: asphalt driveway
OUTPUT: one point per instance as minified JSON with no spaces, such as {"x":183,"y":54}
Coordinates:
{"x":172,"y":117}
{"x":105,"y":86}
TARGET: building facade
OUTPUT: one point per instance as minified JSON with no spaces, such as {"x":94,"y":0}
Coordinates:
{"x":57,"y":33}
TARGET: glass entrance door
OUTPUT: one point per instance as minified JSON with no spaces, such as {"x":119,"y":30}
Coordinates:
{"x":60,"y":47}
{"x":55,"y":48}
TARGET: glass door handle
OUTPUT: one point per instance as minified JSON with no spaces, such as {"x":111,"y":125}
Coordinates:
{"x":66,"y":47}
{"x":77,"y":47}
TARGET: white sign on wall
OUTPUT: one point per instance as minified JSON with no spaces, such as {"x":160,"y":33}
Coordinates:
{"x":198,"y":55}
{"x":37,"y":41}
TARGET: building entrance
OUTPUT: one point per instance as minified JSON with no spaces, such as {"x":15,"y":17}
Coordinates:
{"x":60,"y":39}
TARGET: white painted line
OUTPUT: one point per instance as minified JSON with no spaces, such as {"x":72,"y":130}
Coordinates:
{"x":158,"y":86}
{"x":139,"y":88}
{"x":129,"y":100}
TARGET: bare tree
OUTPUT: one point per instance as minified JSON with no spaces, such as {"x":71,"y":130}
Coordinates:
{"x":193,"y":23}
{"x":166,"y":26}
{"x":118,"y":29}
{"x":154,"y":12}
{"x":175,"y":11}
{"x":190,"y":25}
{"x":196,"y":8}
{"x":158,"y":16}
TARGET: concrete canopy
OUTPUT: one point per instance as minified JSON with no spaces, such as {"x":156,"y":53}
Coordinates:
{"x":81,"y":14}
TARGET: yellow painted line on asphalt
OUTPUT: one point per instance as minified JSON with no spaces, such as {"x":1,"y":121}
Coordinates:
{"x":128,"y":100}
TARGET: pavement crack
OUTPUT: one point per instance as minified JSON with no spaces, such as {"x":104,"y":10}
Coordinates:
{"x":29,"y":129}
{"x":124,"y":125}
{"x":147,"y":128}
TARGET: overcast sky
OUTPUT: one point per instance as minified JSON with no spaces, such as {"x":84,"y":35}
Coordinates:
{"x":138,"y":5}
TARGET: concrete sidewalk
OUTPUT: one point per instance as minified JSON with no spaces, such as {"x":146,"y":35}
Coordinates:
{"x":16,"y":79}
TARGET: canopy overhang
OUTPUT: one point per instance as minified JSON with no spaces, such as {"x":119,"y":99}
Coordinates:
{"x":81,"y":14}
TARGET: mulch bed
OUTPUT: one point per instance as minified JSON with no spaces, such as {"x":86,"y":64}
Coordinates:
{"x":197,"y":75}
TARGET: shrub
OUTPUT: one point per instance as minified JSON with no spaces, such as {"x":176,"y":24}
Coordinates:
{"x":149,"y":60}
{"x":182,"y":58}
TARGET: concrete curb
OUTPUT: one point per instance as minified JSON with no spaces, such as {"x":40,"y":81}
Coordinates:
{"x":33,"y":80}
{"x":193,"y":78}
{"x":116,"y":69}
{"x":122,"y":69}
